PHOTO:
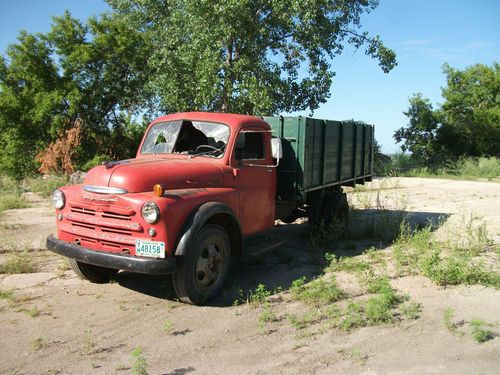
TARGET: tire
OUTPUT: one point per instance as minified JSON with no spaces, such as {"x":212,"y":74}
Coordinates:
{"x":94,"y":274}
{"x":314,"y":213}
{"x":200,"y":273}
{"x":336,"y":212}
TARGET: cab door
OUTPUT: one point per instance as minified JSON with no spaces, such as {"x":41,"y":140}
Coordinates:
{"x":255,"y":179}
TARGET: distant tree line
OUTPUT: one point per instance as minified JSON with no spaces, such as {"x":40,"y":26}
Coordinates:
{"x":466,"y":124}
{"x":83,"y":92}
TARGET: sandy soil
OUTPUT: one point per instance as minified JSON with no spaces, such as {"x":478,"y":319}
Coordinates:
{"x":56,"y":323}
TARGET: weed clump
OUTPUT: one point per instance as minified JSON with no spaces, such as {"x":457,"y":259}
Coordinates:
{"x":140,"y":365}
{"x":11,"y":194}
{"x":17,"y":262}
{"x":45,"y":185}
{"x":318,"y":292}
{"x":479,"y":331}
{"x":452,"y":263}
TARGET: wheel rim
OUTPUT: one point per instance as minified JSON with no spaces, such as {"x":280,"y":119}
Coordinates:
{"x":209,"y":265}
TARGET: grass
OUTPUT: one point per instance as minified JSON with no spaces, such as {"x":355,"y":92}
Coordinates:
{"x":316,"y":293}
{"x":140,"y":364}
{"x":7,"y":295}
{"x":17,"y":262}
{"x":34,"y":312}
{"x":466,"y":168}
{"x":11,"y":194}
{"x":348,"y":264}
{"x":168,"y":326}
{"x":463,"y":169}
{"x":452,"y":262}
{"x":320,"y":295}
{"x":411,"y":310}
{"x":258,"y":296}
{"x":38,"y":343}
{"x":303,"y":321}
{"x":45,"y":186}
{"x":480,"y":333}
{"x":267,"y":315}
{"x":448,"y":315}
{"x":88,"y":342}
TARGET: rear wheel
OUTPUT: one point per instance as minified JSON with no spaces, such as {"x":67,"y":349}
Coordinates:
{"x":314,"y":212}
{"x":336,"y":212}
{"x":201,"y":272}
{"x":92,"y":273}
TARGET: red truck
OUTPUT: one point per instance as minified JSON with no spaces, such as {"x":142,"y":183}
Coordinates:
{"x":200,"y":184}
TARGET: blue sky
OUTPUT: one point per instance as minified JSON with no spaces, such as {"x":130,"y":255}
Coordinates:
{"x":425,"y":34}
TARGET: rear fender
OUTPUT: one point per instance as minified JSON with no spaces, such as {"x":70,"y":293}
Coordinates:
{"x":213,"y":213}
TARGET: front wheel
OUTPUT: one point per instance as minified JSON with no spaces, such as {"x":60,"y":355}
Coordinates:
{"x":201,"y":272}
{"x":94,"y":274}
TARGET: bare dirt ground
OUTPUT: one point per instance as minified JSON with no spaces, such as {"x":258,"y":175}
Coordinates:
{"x":52,"y":322}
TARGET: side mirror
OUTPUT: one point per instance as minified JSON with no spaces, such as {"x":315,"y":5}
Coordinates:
{"x":276,"y":148}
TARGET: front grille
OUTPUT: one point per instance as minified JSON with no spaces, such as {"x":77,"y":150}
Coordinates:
{"x":115,"y":215}
{"x":83,"y":211}
{"x":111,"y":226}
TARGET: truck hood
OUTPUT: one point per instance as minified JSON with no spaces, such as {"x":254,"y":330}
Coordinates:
{"x":140,"y":175}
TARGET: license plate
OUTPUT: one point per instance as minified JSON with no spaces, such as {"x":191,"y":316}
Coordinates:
{"x":152,"y":249}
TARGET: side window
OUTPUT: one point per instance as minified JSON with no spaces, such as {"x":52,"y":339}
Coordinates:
{"x":249,"y":146}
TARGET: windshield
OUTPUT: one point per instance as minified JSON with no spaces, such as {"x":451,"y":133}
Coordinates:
{"x":186,"y":137}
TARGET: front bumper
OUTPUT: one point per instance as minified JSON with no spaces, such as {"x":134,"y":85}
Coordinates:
{"x":111,"y":260}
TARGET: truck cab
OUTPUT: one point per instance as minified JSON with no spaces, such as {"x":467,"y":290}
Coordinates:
{"x":199,"y":184}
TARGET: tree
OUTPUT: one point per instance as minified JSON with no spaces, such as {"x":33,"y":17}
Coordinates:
{"x":248,"y":56}
{"x":471,"y":111}
{"x":92,"y":75}
{"x":419,"y":136}
{"x":466,"y":124}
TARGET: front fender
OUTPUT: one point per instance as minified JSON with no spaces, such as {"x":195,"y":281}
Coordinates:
{"x":216,"y":213}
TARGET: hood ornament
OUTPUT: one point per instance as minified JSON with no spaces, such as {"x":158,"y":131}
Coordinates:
{"x":110,"y":163}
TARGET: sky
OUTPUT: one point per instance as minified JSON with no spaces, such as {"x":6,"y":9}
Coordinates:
{"x":425,"y":34}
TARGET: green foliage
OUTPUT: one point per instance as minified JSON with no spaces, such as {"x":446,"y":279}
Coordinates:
{"x":419,"y":136}
{"x":17,"y":262}
{"x":318,"y":292}
{"x":95,"y":161}
{"x":34,"y":312}
{"x":46,"y":185}
{"x":10,"y":194}
{"x":140,"y":365}
{"x":168,"y":326}
{"x":260,"y":294}
{"x":449,"y":263}
{"x":465,"y":168}
{"x":246,"y":56}
{"x":479,"y":331}
{"x":94,"y":73}
{"x":411,"y":310}
{"x":11,"y":201}
{"x":38,"y":343}
{"x":448,"y":315}
{"x":466,"y":124}
{"x":7,"y":294}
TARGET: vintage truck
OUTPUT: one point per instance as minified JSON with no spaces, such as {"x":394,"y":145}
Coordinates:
{"x":199,"y":186}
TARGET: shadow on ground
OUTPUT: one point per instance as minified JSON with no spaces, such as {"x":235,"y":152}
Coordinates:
{"x":296,"y":257}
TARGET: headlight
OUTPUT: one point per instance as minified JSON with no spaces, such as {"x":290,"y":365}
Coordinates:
{"x":150,"y":212}
{"x":58,"y":199}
